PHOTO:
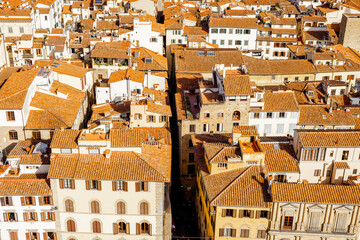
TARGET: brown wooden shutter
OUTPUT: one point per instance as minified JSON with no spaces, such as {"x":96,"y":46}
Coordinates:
{"x":53,"y":216}
{"x":72,"y":182}
{"x":99,"y":185}
{"x":234,"y":212}
{"x":22,"y":201}
{"x":252,"y":213}
{"x":2,"y":201}
{"x":42,"y":215}
{"x":25,"y":215}
{"x":114,"y":185}
{"x":125,"y":186}
{"x":221,"y":232}
{"x":37,"y":235}
{"x":27,"y":236}
{"x":137,"y":228}
{"x":13,"y":236}
{"x":10,"y":201}
{"x":36,"y":216}
{"x":45,"y":235}
{"x":127,"y":228}
{"x":61,"y":183}
{"x":233,"y":232}
{"x":16,"y":217}
{"x":146,"y":186}
{"x":33,"y":201}
{"x":115,"y":228}
{"x":137,"y":187}
{"x":55,"y":236}
{"x":257,"y":215}
{"x":87,"y":183}
{"x":41,"y":201}
{"x":51,"y":200}
{"x":5,"y":217}
{"x":241,"y":213}
{"x":223,"y":213}
{"x":150,"y":229}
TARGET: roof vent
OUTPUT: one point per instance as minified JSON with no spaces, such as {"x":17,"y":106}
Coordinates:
{"x":323,"y":116}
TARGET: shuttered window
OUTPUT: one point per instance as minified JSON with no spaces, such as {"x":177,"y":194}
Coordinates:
{"x":314,"y":223}
{"x":71,"y":226}
{"x":69,"y":206}
{"x":144,"y":208}
{"x":341,"y":222}
{"x":121,"y":208}
{"x":95,"y":207}
{"x":96,"y":226}
{"x":244,"y":233}
{"x":261,"y":233}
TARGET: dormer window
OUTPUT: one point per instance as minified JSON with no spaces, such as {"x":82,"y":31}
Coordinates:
{"x":311,"y":93}
{"x":201,"y":53}
{"x":136,"y":54}
{"x":222,"y":165}
{"x":148,"y":60}
{"x":211,"y":53}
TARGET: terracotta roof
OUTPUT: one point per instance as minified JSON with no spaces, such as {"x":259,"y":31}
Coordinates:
{"x":315,"y":193}
{"x":280,"y":101}
{"x":329,"y":138}
{"x":28,"y":187}
{"x":237,"y":85}
{"x":121,"y":166}
{"x":281,"y":158}
{"x":129,"y":73}
{"x":107,"y":25}
{"x":341,"y":165}
{"x":68,"y":69}
{"x":55,"y":111}
{"x":66,"y":9}
{"x":13,"y":94}
{"x":158,"y":108}
{"x":31,"y":157}
{"x":5,"y":73}
{"x":98,"y":111}
{"x":188,"y":81}
{"x":158,"y":63}
{"x":55,"y":41}
{"x":135,"y":137}
{"x":111,"y":50}
{"x":220,"y":152}
{"x":246,"y":130}
{"x":240,"y":187}
{"x":66,"y":138}
{"x":233,"y":22}
{"x":320,"y":115}
{"x":15,"y":12}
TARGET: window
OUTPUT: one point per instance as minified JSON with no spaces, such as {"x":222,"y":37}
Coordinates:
{"x":10,"y":216}
{"x":333,"y":92}
{"x":246,"y":213}
{"x":93,"y":184}
{"x":21,"y":29}
{"x":306,"y":78}
{"x":331,"y":153}
{"x":288,"y":222}
{"x":29,"y":201}
{"x":222,"y":165}
{"x":201,"y":53}
{"x":96,"y":226}
{"x":65,"y":150}
{"x":45,"y":18}
{"x":192,"y":128}
{"x":6,"y":201}
{"x":49,"y":235}
{"x":238,"y":31}
{"x":222,"y":30}
{"x":246,"y":31}
{"x":95,"y":207}
{"x":144,"y":208}
{"x":10,"y":30}
{"x":280,"y":178}
{"x":144,"y":228}
{"x":237,"y":42}
{"x":282,"y":115}
{"x":190,"y":144}
{"x":151,"y":118}
{"x":220,"y":115}
{"x":122,"y":227}
{"x":138,"y":116}
{"x":121,"y":208}
{"x":47,"y":200}
{"x":153,"y":39}
{"x":51,"y":133}
{"x":10,"y":115}
{"x":280,"y":128}
{"x":67,"y":183}
{"x":341,"y":222}
{"x":36,"y":135}
{"x":219,"y":127}
{"x":206,"y":127}
{"x":144,"y":186}
{"x":230,"y":31}
{"x":163,"y":118}
{"x":213,"y":41}
{"x":32,"y":216}
{"x":120,"y":185}
{"x":317,"y":172}
{"x":354,"y":171}
{"x":148,"y":60}
{"x":206,"y":115}
{"x":267,"y":128}
{"x":269,"y":115}
{"x":13,"y":135}
{"x":261,"y":233}
{"x":94,"y":151}
{"x":315,"y":218}
{"x":256,"y":115}
{"x":244,"y":233}
{"x":222,"y":42}
{"x":342,"y":92}
{"x":214,"y":30}
{"x":229,"y":232}
{"x":69,"y":205}
{"x":71,"y":226}
{"x":246,"y":43}
{"x":179,"y":41}
{"x":328,"y":173}
{"x":230,"y":42}
{"x":211,"y":53}
{"x":229,"y":212}
{"x":296,"y":79}
{"x":191,"y":157}
{"x":236,"y":116}
{"x":264,"y":214}
{"x":345,"y":155}
{"x":191,"y":169}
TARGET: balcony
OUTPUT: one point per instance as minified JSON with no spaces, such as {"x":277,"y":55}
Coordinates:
{"x":28,"y":55}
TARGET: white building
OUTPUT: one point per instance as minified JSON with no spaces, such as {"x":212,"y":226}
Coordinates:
{"x":47,"y":14}
{"x":16,"y":22}
{"x":233,"y":32}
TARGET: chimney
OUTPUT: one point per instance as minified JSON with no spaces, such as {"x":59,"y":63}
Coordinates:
{"x":133,"y":97}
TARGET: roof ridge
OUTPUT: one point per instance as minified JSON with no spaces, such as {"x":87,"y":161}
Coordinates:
{"x":13,"y":94}
{"x":143,"y":160}
{"x":232,"y":182}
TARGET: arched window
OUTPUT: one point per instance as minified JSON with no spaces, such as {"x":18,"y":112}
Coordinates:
{"x":121,"y":208}
{"x":69,"y":206}
{"x":144,"y":227}
{"x":96,"y":227}
{"x":95,"y":207}
{"x":71,"y":226}
{"x":122,"y":227}
{"x":13,"y":135}
{"x":236,"y":116}
{"x":144,"y":208}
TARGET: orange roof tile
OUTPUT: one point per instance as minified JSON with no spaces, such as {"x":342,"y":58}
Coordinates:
{"x":280,"y":101}
{"x":281,"y":159}
{"x":329,"y":138}
{"x":129,"y":73}
{"x":320,"y":115}
{"x":66,"y":138}
{"x":29,"y":187}
{"x":237,"y":85}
